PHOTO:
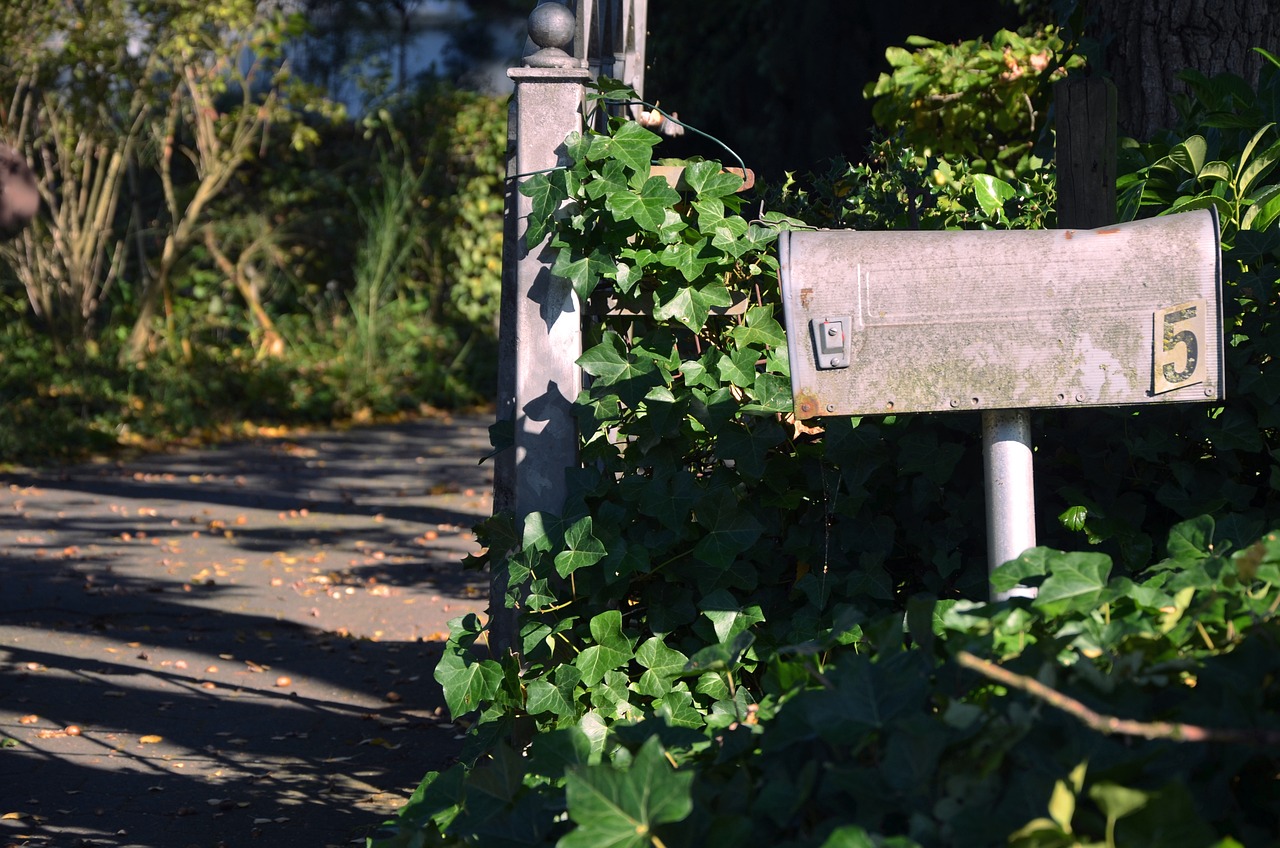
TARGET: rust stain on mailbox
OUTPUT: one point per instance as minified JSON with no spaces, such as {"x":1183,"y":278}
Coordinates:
{"x":939,"y":321}
{"x":806,"y":404}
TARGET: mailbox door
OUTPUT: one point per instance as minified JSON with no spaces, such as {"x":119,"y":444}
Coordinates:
{"x":890,"y":322}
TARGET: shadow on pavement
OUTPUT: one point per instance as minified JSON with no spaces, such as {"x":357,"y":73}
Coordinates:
{"x":233,"y":646}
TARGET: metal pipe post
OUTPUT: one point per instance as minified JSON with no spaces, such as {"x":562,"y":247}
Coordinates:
{"x":1010,"y":488}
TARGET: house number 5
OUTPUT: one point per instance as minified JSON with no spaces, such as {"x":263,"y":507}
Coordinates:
{"x":1179,"y":331}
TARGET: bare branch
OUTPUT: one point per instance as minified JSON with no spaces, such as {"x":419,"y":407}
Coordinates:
{"x":1175,"y":731}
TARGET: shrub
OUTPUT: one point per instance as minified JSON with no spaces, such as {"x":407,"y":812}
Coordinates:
{"x":745,"y":627}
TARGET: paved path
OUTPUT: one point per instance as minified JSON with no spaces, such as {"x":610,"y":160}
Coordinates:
{"x":235,"y":646}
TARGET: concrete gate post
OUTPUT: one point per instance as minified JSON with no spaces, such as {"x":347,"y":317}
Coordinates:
{"x":545,"y":319}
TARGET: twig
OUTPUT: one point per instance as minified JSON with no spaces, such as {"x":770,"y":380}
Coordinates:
{"x":1176,"y":731}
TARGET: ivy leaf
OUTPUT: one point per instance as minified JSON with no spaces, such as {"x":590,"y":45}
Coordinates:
{"x":661,"y":664}
{"x":676,"y":708}
{"x":620,"y":809}
{"x":759,"y":328}
{"x":749,"y":446}
{"x":696,"y":374}
{"x":554,"y":751}
{"x":633,"y":145}
{"x":849,"y":836}
{"x":731,"y":529}
{"x":615,"y":367}
{"x":1117,"y":801}
{"x":1073,"y":518}
{"x":1075,"y":583}
{"x":719,"y":657}
{"x":467,"y":682}
{"x":725,"y":234}
{"x":922,"y":453}
{"x":727,"y":616}
{"x":688,"y":259}
{"x":578,"y":146}
{"x":611,"y":179}
{"x":870,"y":694}
{"x":669,"y":496}
{"x":691,"y":306}
{"x":739,"y":367}
{"x":647,"y":207}
{"x":627,"y":277}
{"x":1032,"y":563}
{"x":493,"y":785}
{"x":772,"y":393}
{"x":583,"y":273}
{"x":581,"y":548}
{"x":557,"y":698}
{"x":1192,"y":539}
{"x":709,"y":179}
{"x":611,"y":649}
{"x":710,"y":212}
{"x":548,"y":192}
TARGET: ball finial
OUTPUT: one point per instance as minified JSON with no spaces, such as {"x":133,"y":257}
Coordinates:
{"x":552,"y":25}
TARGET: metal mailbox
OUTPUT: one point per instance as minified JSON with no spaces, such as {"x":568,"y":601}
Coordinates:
{"x":890,"y":322}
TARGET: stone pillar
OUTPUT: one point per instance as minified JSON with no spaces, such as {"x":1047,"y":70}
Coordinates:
{"x":541,"y":315}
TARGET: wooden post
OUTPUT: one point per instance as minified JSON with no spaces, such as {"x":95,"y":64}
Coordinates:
{"x":1086,"y":152}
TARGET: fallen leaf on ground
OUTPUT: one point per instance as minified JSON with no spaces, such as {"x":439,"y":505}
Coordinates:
{"x":379,"y":742}
{"x":150,"y":739}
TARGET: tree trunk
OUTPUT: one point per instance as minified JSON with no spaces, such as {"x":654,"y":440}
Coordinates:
{"x":1152,"y":40}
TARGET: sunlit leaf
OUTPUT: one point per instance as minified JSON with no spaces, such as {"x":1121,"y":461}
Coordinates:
{"x":613,"y":808}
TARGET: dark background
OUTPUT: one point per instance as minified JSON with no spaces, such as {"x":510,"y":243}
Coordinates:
{"x":781,"y":83}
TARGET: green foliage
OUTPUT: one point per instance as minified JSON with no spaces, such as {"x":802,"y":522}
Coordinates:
{"x":1222,"y":155}
{"x":785,"y":613}
{"x":893,"y":731}
{"x":258,"y":325}
{"x":895,"y":187}
{"x":1185,"y":461}
{"x":982,"y":101}
{"x":390,"y":237}
{"x":461,"y":139}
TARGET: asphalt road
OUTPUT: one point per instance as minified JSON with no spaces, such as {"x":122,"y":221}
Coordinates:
{"x":233,"y":646}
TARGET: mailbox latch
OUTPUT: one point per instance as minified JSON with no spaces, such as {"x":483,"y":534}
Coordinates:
{"x":830,"y":341}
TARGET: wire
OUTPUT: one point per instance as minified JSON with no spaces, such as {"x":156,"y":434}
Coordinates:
{"x":535,"y":173}
{"x":653,"y":108}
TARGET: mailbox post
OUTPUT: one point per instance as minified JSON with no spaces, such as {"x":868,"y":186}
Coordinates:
{"x":894,"y":322}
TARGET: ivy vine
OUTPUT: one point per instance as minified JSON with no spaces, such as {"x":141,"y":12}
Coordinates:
{"x":747,"y":629}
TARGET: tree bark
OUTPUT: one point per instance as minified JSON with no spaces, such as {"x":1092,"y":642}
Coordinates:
{"x":1150,"y":41}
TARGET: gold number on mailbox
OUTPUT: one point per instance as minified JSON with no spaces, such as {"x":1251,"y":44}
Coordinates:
{"x":1179,"y":331}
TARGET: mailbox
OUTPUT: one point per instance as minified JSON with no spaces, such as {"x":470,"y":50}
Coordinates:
{"x":891,"y":322}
